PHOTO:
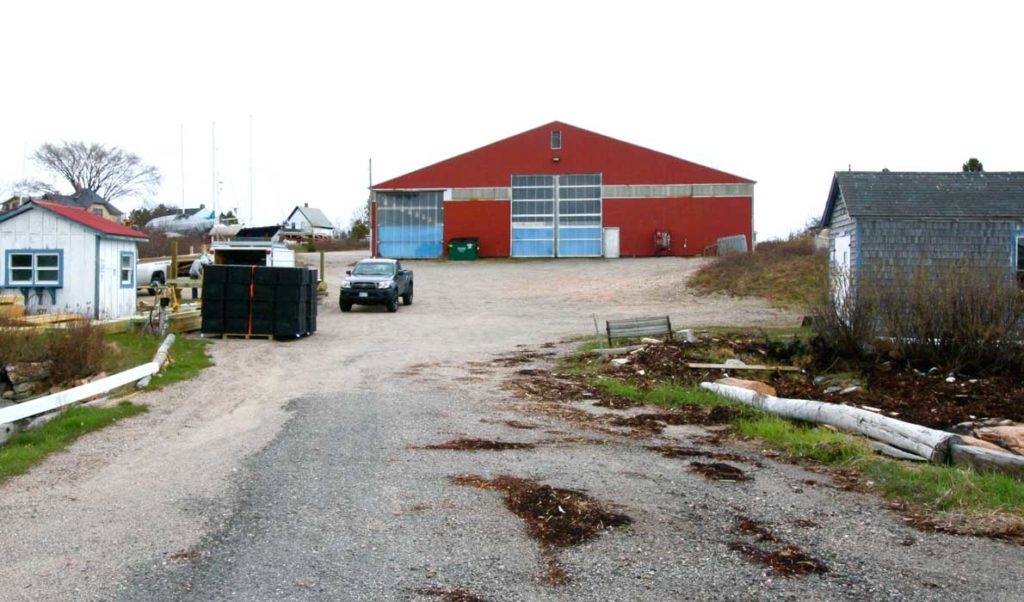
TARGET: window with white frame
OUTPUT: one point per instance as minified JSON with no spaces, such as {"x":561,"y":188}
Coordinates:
{"x":127,"y":270}
{"x":1019,"y":268}
{"x":34,"y":268}
{"x":556,"y":139}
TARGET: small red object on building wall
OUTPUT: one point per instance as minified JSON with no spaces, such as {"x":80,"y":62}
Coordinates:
{"x":662,"y":244}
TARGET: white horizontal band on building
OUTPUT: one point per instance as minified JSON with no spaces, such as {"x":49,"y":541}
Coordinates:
{"x":628,"y":191}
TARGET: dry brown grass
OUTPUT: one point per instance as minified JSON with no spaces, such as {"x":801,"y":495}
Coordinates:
{"x":788,"y":273}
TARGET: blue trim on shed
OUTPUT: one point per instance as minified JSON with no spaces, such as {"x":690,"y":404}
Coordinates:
{"x":1015,"y":235}
{"x":96,"y":281}
{"x":60,"y":268}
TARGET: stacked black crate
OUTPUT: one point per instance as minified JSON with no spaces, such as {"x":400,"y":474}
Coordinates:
{"x":264,"y":292}
{"x":311,"y":308}
{"x":290,"y":303}
{"x":215,"y":279}
{"x":237,"y":294}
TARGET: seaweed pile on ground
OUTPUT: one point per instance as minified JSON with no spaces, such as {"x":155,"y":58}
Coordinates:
{"x":449,"y":595}
{"x":670,"y":451}
{"x":471,"y":444}
{"x":934,"y":400}
{"x":557,"y":518}
{"x":788,"y":560}
{"x":718,"y":471}
{"x":685,"y":414}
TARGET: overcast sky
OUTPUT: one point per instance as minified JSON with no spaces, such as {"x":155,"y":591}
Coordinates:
{"x":783,"y":93}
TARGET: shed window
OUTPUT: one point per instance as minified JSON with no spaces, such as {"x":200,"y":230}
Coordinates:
{"x":556,"y":139}
{"x":127,"y":271}
{"x":1020,"y":256}
{"x":35,"y":268}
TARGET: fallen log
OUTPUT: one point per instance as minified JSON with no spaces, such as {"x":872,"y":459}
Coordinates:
{"x":159,"y":359}
{"x":900,"y":437}
{"x":918,"y":440}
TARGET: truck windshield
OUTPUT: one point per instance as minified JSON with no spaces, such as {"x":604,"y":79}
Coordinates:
{"x":374,"y":269}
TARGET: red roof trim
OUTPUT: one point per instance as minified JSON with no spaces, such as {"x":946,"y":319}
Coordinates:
{"x":94,"y":222}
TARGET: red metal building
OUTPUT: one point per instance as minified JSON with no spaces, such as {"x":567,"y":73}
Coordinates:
{"x":560,"y":191}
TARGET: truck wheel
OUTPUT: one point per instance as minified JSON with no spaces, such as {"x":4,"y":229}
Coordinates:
{"x":393,"y":305}
{"x":407,"y":297}
{"x":346,"y":306}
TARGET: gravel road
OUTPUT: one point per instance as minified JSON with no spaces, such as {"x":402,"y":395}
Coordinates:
{"x":291,"y":471}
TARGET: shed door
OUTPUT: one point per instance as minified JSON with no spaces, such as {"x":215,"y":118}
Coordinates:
{"x":840,"y":273}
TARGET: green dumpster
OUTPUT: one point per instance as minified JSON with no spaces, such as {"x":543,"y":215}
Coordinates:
{"x":463,"y":249}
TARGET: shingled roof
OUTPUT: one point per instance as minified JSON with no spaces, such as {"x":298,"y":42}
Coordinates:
{"x":949,"y":195}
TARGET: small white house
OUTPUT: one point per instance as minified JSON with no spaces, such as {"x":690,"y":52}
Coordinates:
{"x":307,"y":221}
{"x":65,"y":259}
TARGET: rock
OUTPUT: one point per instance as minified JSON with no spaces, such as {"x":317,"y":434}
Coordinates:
{"x":833,"y":389}
{"x":687,"y":336}
{"x":950,"y":379}
{"x":6,"y":430}
{"x":849,"y":390}
{"x":25,"y":387}
{"x":1011,"y":436}
{"x":619,"y":361}
{"x":650,"y":341}
{"x":734,"y":363}
{"x":23,"y":372}
{"x":820,"y":379}
{"x":753,"y":385}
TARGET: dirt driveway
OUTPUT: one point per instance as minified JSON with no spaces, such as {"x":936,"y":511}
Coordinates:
{"x":293,"y":470}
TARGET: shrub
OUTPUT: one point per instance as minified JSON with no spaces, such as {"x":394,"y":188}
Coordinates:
{"x":958,"y":317}
{"x":76,"y":351}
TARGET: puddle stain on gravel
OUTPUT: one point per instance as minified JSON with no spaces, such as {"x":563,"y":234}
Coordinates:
{"x":469,"y":444}
{"x":449,"y":595}
{"x":670,"y":451}
{"x":556,"y":518}
{"x":718,"y":471}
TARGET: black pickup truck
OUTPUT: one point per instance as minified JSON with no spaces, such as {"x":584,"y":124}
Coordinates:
{"x":376,"y":282}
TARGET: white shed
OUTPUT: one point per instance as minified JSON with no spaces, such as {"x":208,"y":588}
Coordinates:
{"x":307,"y":221}
{"x":69,"y":260}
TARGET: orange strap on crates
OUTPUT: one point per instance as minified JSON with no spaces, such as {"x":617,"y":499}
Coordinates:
{"x":252,"y":290}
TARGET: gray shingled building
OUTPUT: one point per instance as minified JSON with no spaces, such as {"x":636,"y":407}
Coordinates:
{"x":892,"y":222}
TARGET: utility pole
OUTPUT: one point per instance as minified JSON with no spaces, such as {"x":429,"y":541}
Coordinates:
{"x":181,"y":142}
{"x":213,"y":167}
{"x":252,"y":220}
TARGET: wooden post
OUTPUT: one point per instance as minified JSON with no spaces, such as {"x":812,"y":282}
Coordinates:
{"x":321,"y":266}
{"x":174,"y":259}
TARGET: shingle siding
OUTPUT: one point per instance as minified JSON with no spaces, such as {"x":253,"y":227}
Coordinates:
{"x":891,"y":246}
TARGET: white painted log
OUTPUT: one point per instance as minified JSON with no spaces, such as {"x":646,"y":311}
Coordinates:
{"x":986,"y":460}
{"x":76,"y":394}
{"x":159,"y":359}
{"x":919,"y":440}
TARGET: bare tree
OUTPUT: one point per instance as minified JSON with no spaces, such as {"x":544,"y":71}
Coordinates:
{"x":108,"y":171}
{"x":30,"y":188}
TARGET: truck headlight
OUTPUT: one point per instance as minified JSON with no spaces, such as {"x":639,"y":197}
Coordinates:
{"x":346,"y":284}
{"x":384,"y":284}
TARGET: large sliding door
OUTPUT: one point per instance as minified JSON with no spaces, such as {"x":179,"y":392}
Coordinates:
{"x":410,"y":224}
{"x":556,"y":216}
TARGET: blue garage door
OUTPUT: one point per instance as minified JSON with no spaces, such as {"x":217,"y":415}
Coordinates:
{"x":410,"y":224}
{"x":556,"y":216}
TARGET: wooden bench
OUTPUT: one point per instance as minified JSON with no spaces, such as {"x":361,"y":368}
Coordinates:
{"x":633,"y":328}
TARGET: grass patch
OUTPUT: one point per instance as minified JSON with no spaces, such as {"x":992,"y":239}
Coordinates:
{"x":789,"y":274}
{"x":937,"y":488}
{"x":188,"y":356}
{"x":665,"y":395}
{"x":28,"y":448}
